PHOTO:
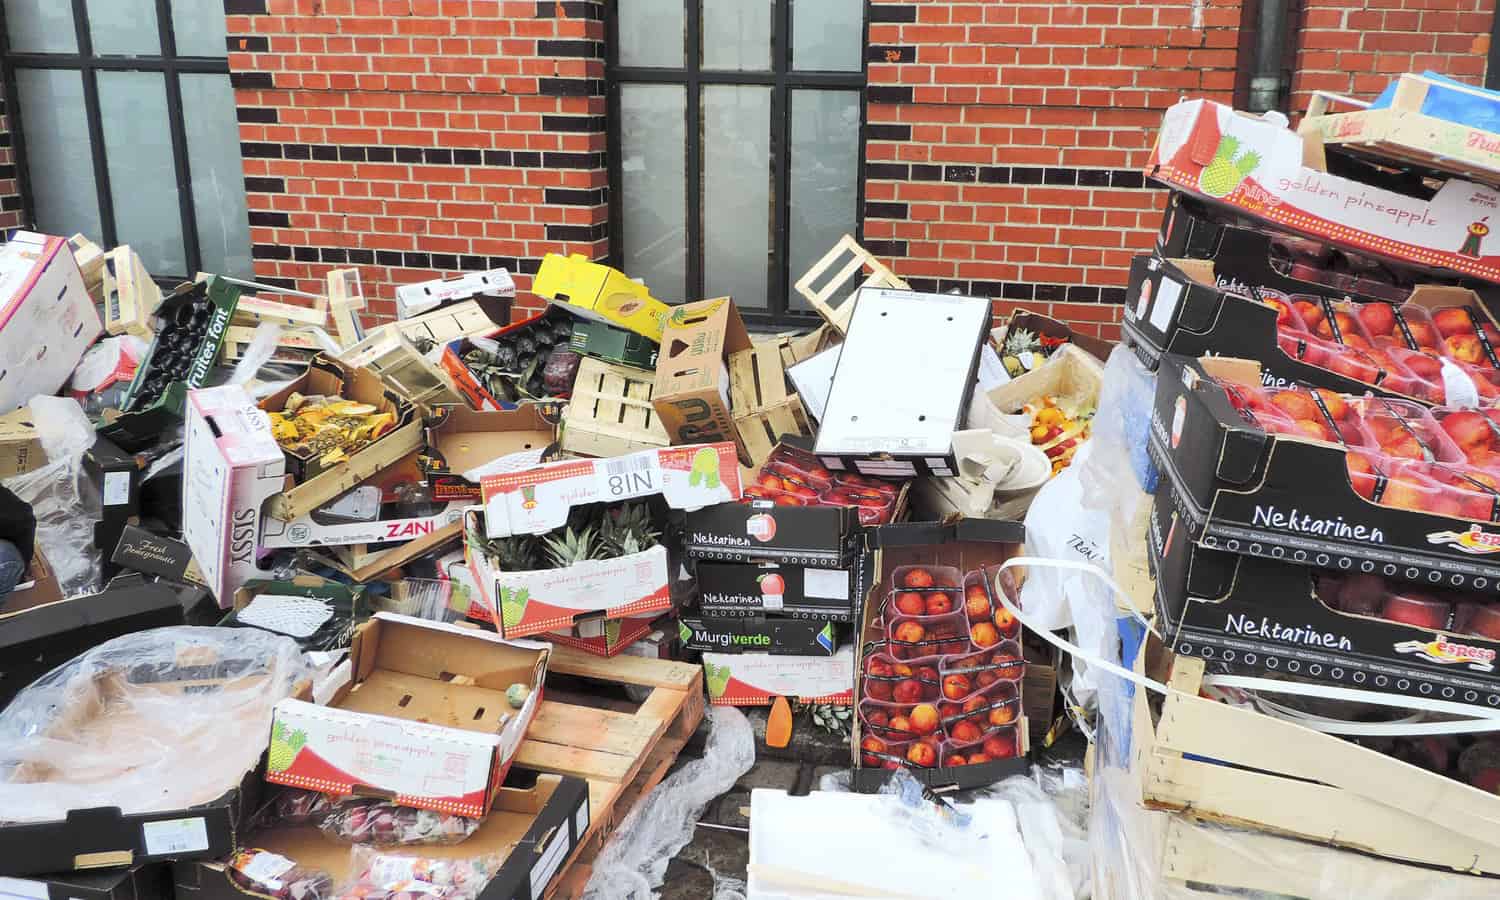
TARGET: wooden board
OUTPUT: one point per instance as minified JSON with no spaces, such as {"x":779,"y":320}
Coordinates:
{"x":610,"y":411}
{"x":622,"y":755}
{"x":1234,"y":766}
{"x":859,"y":259}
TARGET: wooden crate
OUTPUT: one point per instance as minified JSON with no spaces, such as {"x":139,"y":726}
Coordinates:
{"x":762,"y":403}
{"x":610,"y":411}
{"x":1402,"y":135}
{"x":859,"y":260}
{"x":1233,"y":766}
{"x":797,"y":348}
{"x":128,"y":293}
{"x":622,"y":755}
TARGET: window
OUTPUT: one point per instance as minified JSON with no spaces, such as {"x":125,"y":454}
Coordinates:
{"x":735,"y":144}
{"x":125,"y":128}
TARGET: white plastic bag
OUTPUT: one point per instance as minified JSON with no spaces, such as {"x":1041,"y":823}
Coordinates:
{"x":65,"y":508}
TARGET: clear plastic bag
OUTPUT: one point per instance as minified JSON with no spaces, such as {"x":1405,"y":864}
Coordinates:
{"x":379,"y":875}
{"x":267,"y":874}
{"x":62,"y":498}
{"x":158,"y":720}
{"x":385,"y":823}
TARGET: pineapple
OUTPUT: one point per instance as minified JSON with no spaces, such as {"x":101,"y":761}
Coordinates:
{"x":285,"y":745}
{"x":516,"y":553}
{"x":1019,"y":353}
{"x":569,"y":547}
{"x":628,"y":530}
{"x":1224,"y":173}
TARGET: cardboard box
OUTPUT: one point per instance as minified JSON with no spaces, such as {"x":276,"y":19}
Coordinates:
{"x":972,"y":547}
{"x":610,"y":412}
{"x":1244,"y":490}
{"x":728,"y":590}
{"x":129,"y":295}
{"x":379,"y":735}
{"x":692,"y":392}
{"x":233,"y":467}
{"x":404,"y":369}
{"x":1253,"y":616}
{"x":764,"y":634}
{"x":824,"y":537}
{"x":757,"y":679}
{"x":1179,"y":308}
{"x":464,"y":439}
{"x":546,"y":331}
{"x":600,"y":293}
{"x":20,"y":445}
{"x":538,"y":500}
{"x":1279,"y":176}
{"x":316,"y":485}
{"x":614,"y":345}
{"x":902,"y":386}
{"x":143,"y":882}
{"x":154,"y":554}
{"x":604,"y":637}
{"x":1050,"y":334}
{"x":38,"y":586}
{"x":47,"y":319}
{"x":190,"y":325}
{"x":813,"y":379}
{"x":416,"y":299}
{"x":116,"y":476}
{"x":536,"y":824}
{"x":346,"y":601}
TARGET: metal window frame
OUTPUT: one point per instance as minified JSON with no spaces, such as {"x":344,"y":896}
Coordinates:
{"x":782,"y":79}
{"x":87,"y":63}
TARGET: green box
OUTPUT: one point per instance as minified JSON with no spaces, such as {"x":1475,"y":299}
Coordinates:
{"x":613,"y":345}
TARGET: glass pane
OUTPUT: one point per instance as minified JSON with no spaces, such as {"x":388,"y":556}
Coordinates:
{"x":40,"y":26}
{"x":824,"y":172}
{"x":651,"y":33}
{"x":828,"y":35}
{"x":124,"y":27}
{"x":142,"y":179}
{"x":737,"y":34}
{"x":218,"y":176}
{"x":57,"y":152}
{"x":654,"y":187}
{"x":198,"y":27}
{"x":736,"y":192}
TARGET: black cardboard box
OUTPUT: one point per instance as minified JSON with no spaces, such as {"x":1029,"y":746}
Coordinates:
{"x":153,"y":554}
{"x":537,"y":821}
{"x":728,"y":590}
{"x":38,"y":639}
{"x":116,"y":475}
{"x":966,"y":544}
{"x":143,"y":882}
{"x":1253,"y":616}
{"x":825,"y":537}
{"x":758,"y":634}
{"x":1241,"y":489}
{"x":104,"y":836}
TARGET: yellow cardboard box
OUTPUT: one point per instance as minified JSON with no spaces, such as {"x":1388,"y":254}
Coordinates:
{"x":598,"y":292}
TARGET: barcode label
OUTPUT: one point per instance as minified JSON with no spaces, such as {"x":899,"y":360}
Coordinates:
{"x":626,"y":464}
{"x":175,"y":836}
{"x":630,"y":476}
{"x":24,"y":888}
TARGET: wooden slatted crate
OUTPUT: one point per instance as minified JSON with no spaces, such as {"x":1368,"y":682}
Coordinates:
{"x":610,"y":411}
{"x":859,"y":259}
{"x":763,"y":405}
{"x":622,"y":754}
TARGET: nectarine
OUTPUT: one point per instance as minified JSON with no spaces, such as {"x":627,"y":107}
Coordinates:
{"x":1296,"y":404}
{"x":984,"y":634}
{"x":871,"y":746}
{"x":965,"y":732}
{"x":1378,"y":318}
{"x":977,"y":759}
{"x":908,"y":691}
{"x":923,"y":755}
{"x":955,"y":759}
{"x":917,"y":578}
{"x":977,"y":603}
{"x":924,"y":718}
{"x":1000,"y":746}
{"x":909,"y":633}
{"x":1470,"y":430}
{"x":877,"y":718}
{"x":1465,"y":348}
{"x":1006,"y":622}
{"x":1002,"y":715}
{"x":956,"y":687}
{"x":911,"y":604}
{"x":1453,"y":320}
{"x":901,"y":723}
{"x":878,"y":690}
{"x":939,"y":604}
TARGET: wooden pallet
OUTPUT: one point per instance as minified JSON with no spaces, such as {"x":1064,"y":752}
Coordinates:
{"x":610,"y":411}
{"x":859,"y":260}
{"x":622,"y":754}
{"x":764,"y":407}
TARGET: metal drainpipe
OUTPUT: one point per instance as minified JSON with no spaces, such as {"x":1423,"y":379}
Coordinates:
{"x":1275,"y":55}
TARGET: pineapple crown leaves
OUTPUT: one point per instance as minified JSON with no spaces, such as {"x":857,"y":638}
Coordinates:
{"x":628,"y":530}
{"x":1020,"y":340}
{"x":1247,"y":163}
{"x":569,"y":547}
{"x":1229,"y":145}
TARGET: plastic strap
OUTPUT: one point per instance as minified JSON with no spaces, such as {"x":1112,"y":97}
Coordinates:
{"x":1481,"y":720}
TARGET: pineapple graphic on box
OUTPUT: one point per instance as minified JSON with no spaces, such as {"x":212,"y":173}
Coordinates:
{"x":1225,"y":172}
{"x":717,"y":679}
{"x":513,"y":606}
{"x":611,"y":632}
{"x":285,"y":745}
{"x":705,"y":469}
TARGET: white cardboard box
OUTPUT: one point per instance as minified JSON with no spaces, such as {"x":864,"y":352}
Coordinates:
{"x":423,"y":719}
{"x":902,"y":385}
{"x":47,"y":319}
{"x":415,"y":299}
{"x":307,"y":531}
{"x":232,"y":466}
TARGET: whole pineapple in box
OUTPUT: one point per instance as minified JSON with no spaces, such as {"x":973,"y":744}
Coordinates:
{"x":1021,"y":353}
{"x":628,"y":530}
{"x":564,"y":548}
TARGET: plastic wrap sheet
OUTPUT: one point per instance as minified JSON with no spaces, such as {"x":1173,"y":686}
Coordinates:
{"x":385,"y":875}
{"x":635,"y":859}
{"x":61,"y":497}
{"x":152,"y":721}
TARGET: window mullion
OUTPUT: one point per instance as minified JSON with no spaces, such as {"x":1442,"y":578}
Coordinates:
{"x":95,"y":122}
{"x":777,"y":301}
{"x":189,"y":214}
{"x":693,"y":196}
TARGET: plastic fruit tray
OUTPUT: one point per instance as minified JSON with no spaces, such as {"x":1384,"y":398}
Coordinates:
{"x":793,"y":477}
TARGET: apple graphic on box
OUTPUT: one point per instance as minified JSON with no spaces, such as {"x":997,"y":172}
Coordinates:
{"x":761,"y":526}
{"x":772,"y":587}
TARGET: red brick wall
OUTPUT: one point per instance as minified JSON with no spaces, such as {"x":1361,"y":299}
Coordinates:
{"x":10,"y":191}
{"x":1356,"y":48}
{"x":414,"y":138}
